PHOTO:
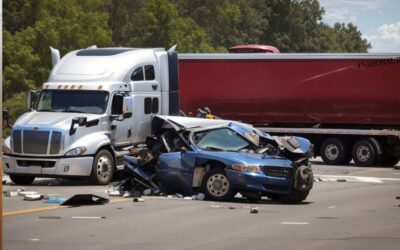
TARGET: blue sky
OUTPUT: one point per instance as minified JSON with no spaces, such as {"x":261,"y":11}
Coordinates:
{"x":378,"y":20}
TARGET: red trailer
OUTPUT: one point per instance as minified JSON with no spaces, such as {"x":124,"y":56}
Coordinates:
{"x":348,"y":105}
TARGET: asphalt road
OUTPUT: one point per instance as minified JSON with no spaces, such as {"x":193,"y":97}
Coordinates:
{"x":348,"y":208}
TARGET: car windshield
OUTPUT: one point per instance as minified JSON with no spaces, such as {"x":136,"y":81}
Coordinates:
{"x":92,"y":102}
{"x":223,"y":139}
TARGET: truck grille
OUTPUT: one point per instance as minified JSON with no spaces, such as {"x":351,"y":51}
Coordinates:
{"x":36,"y":142}
{"x":277,"y":171}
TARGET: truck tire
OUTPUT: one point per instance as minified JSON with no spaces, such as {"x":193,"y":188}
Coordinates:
{"x":216,"y":185}
{"x":22,"y":179}
{"x":334,"y":151}
{"x":364,"y":153}
{"x":103,"y":168}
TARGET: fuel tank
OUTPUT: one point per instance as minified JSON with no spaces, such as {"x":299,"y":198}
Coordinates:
{"x":358,"y":89}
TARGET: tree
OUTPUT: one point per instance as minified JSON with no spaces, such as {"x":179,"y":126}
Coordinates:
{"x":158,"y":24}
{"x":66,"y":25}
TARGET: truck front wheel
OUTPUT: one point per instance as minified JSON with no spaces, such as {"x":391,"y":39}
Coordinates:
{"x":22,"y":180}
{"x":102,"y":168}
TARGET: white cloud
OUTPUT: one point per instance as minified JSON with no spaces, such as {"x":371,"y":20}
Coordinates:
{"x":347,"y":10}
{"x":386,"y":39}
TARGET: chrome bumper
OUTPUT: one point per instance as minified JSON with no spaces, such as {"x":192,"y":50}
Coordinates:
{"x":76,"y":166}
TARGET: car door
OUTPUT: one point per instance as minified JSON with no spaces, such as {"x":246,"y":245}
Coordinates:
{"x":175,"y":171}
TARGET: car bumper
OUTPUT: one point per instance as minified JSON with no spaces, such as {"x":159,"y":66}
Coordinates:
{"x":259,"y":182}
{"x":48,"y":167}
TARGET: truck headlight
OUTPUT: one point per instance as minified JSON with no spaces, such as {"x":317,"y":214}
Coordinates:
{"x":76,"y":151}
{"x":246,"y":168}
{"x":6,"y":150}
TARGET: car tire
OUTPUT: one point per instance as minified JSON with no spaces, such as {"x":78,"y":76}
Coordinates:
{"x":103,"y":168}
{"x":294,"y":197}
{"x":334,"y":152}
{"x":364,"y":153}
{"x":216,"y":185}
{"x":22,"y":179}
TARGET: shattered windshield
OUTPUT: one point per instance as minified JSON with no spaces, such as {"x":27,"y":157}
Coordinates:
{"x":222,"y":139}
{"x":76,"y":101}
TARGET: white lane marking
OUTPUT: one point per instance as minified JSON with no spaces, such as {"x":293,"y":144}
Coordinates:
{"x":87,"y":217}
{"x":34,"y":239}
{"x":350,"y":178}
{"x":332,"y":207}
{"x":294,"y":223}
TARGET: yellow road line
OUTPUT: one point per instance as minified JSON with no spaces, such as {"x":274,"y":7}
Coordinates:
{"x":32,"y":210}
{"x":41,"y":209}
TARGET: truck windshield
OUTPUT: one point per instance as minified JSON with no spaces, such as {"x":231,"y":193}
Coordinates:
{"x":92,"y":102}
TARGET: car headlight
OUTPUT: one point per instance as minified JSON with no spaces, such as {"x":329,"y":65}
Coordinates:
{"x":76,"y":151}
{"x":6,"y":150}
{"x":246,"y":168}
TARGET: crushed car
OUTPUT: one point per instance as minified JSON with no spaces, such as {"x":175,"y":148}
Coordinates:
{"x":221,"y":158}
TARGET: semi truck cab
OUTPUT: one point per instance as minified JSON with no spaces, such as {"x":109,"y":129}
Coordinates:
{"x":96,"y":104}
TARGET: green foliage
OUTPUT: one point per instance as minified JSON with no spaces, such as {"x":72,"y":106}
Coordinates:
{"x":30,"y":27}
{"x":16,"y":105}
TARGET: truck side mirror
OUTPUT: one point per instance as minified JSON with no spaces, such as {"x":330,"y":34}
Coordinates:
{"x":127,"y":106}
{"x":31,"y":99}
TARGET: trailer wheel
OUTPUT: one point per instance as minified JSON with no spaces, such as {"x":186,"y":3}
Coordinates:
{"x":22,"y":179}
{"x":364,"y":153}
{"x":217,"y":186}
{"x":102,"y":168}
{"x":334,"y":152}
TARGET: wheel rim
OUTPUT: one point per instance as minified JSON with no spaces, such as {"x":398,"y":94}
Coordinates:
{"x":363,"y":153}
{"x":218,"y":185}
{"x":104,"y":167}
{"x":331,"y":152}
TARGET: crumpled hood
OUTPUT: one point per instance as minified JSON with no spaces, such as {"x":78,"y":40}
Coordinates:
{"x":60,"y":120}
{"x":244,"y":158}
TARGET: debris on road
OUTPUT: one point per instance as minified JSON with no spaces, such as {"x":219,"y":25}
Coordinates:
{"x":23,"y":193}
{"x":32,"y":197}
{"x":254,"y":210}
{"x":55,"y":200}
{"x":85,"y":199}
{"x":10,"y":193}
{"x":341,"y":180}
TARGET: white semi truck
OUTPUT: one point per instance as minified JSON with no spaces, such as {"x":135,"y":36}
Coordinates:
{"x":96,"y":104}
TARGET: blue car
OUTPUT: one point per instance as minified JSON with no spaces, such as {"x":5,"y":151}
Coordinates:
{"x":221,"y":158}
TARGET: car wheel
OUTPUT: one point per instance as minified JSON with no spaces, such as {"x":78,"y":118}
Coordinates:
{"x":364,"y":153}
{"x":217,"y":186}
{"x":334,"y":152}
{"x":102,"y":168}
{"x":22,"y":180}
{"x":294,"y":197}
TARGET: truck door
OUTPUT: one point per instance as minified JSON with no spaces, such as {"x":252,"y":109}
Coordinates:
{"x":121,"y":128}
